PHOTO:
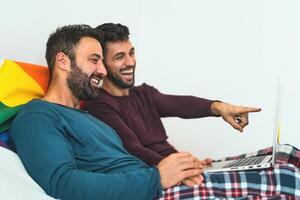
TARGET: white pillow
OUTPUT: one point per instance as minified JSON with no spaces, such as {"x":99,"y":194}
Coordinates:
{"x":15,"y":182}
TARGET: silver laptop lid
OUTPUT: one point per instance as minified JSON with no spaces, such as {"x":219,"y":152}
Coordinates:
{"x":277,"y":119}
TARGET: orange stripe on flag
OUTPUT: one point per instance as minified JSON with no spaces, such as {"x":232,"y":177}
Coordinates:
{"x":39,"y":73}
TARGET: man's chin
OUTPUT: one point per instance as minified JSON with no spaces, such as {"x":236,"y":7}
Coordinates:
{"x":127,"y":84}
{"x":88,"y":96}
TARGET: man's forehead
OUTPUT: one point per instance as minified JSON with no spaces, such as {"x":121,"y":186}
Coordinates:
{"x":119,"y":45}
{"x":89,"y":46}
{"x":87,"y":42}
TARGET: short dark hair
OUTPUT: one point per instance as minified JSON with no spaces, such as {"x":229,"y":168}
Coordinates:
{"x":65,"y":39}
{"x":112,"y":33}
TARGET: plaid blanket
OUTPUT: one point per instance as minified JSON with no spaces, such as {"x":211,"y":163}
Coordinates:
{"x":280,"y":182}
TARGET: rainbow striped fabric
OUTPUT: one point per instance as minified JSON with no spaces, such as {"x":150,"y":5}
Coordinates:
{"x":19,"y":83}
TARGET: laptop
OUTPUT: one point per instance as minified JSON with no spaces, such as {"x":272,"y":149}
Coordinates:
{"x":256,"y":162}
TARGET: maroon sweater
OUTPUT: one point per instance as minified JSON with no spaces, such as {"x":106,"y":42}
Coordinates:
{"x":136,"y":118}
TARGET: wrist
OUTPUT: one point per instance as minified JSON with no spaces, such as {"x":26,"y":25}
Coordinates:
{"x":215,"y":108}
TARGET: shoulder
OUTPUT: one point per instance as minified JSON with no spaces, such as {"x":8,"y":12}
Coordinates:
{"x":35,"y":106}
{"x":38,"y":110}
{"x":32,"y":116}
{"x":145,"y":88}
{"x":103,"y":100}
{"x":103,"y":105}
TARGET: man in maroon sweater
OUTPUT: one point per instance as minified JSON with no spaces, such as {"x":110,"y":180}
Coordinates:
{"x":135,"y":112}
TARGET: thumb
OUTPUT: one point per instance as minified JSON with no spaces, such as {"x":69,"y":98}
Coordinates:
{"x":234,"y":124}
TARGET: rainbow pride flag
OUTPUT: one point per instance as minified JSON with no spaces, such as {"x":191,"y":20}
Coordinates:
{"x":19,"y":83}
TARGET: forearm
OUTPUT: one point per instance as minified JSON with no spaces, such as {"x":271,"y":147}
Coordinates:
{"x":147,"y":155}
{"x":78,"y":185}
{"x":182,"y":106}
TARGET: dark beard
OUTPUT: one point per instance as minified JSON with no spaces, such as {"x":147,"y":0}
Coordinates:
{"x":79,"y":83}
{"x":118,"y":81}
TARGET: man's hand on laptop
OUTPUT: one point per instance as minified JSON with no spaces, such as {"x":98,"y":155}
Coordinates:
{"x":178,"y":167}
{"x":236,"y":116}
{"x":196,"y":180}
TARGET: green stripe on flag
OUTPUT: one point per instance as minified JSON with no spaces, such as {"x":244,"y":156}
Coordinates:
{"x":6,"y":115}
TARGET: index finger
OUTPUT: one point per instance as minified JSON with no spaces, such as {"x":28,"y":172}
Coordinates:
{"x":250,"y":109}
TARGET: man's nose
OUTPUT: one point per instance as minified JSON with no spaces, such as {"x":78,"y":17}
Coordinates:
{"x":130,"y":61}
{"x":101,"y":69}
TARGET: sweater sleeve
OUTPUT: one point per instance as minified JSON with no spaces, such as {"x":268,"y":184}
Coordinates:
{"x":131,"y":142}
{"x":50,"y":160}
{"x":180,"y":106}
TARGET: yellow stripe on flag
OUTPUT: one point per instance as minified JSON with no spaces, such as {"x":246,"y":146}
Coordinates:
{"x":17,"y":87}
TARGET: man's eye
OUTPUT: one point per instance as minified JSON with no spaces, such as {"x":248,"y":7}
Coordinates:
{"x":118,"y":57}
{"x":94,"y":61}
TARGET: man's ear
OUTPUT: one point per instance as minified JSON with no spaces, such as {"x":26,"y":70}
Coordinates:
{"x":63,"y":62}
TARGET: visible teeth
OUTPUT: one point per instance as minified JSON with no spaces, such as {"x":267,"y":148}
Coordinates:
{"x":127,"y":71}
{"x":96,"y":81}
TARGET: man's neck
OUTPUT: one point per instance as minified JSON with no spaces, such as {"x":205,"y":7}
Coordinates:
{"x":61,"y":94}
{"x":114,"y":90}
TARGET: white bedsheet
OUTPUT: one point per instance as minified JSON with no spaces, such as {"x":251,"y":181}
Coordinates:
{"x":15,"y":183}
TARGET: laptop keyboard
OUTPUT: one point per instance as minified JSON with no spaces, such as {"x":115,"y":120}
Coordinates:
{"x":246,"y":161}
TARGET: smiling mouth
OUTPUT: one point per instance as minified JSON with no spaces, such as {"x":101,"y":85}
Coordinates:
{"x":127,"y":72}
{"x":96,"y":82}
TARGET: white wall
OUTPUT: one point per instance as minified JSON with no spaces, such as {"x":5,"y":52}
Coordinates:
{"x":229,"y":50}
